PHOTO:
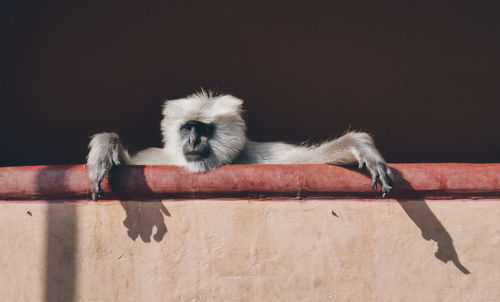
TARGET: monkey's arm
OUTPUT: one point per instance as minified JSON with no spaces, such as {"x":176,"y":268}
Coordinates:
{"x":352,"y":148}
{"x":105,"y":152}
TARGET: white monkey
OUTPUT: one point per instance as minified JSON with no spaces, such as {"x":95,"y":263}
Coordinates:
{"x":204,"y":131}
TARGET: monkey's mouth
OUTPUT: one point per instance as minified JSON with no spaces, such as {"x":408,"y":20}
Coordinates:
{"x":197,"y":155}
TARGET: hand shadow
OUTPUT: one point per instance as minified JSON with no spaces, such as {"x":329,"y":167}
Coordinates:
{"x":430,"y":226}
{"x":419,"y":212}
{"x":142,"y":216}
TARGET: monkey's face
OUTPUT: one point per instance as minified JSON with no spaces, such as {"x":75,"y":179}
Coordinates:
{"x":196,"y":136}
{"x":202,"y":131}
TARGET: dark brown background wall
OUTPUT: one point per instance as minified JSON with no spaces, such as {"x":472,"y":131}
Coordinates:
{"x":423,"y":77}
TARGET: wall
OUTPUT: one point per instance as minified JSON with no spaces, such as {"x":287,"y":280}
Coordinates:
{"x":250,"y":233}
{"x":243,"y":250}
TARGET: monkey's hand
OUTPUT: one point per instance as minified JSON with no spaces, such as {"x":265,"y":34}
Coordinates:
{"x":105,"y":152}
{"x":359,"y":147}
{"x":378,"y":169}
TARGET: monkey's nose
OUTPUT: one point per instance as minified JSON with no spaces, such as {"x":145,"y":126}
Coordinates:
{"x":193,"y":138}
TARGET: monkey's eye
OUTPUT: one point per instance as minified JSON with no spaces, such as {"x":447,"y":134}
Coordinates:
{"x":200,"y":128}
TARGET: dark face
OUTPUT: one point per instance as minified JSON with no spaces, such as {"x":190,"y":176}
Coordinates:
{"x":197,"y":137}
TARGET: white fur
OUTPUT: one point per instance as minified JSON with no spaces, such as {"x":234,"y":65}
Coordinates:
{"x":229,"y":143}
{"x":229,"y":138}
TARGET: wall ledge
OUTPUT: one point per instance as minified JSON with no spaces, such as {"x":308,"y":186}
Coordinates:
{"x":411,"y":181}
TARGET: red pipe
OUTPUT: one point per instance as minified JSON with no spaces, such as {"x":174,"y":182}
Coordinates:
{"x":250,"y":181}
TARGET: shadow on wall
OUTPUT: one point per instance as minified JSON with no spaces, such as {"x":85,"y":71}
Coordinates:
{"x":61,"y":234}
{"x":429,"y":225}
{"x":141,"y":217}
{"x":60,"y":269}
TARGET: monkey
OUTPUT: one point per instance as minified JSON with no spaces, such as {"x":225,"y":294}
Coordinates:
{"x":204,"y":131}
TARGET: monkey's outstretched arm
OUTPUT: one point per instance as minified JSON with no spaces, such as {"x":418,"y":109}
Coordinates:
{"x":358,"y":147}
{"x":351,"y":148}
{"x":106,"y":151}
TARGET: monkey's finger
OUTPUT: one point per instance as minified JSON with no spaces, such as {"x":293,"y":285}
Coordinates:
{"x":385,"y":190}
{"x":361,"y":163}
{"x":388,"y":176}
{"x":95,"y":187}
{"x":386,"y":181}
{"x":388,"y":170}
{"x":374,"y":179}
{"x":384,"y":176}
{"x":96,"y":191}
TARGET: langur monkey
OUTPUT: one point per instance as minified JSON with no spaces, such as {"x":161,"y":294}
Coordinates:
{"x":205,"y":131}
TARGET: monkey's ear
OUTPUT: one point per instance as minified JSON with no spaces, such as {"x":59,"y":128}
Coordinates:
{"x":178,"y":108}
{"x":167,"y":107}
{"x":228,"y":104}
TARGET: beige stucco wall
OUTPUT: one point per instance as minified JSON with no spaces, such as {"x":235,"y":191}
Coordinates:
{"x":250,"y":251}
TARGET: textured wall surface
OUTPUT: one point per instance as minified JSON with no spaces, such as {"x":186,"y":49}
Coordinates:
{"x":240,"y":250}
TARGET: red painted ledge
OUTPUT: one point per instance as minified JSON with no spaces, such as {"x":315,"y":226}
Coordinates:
{"x":430,"y":181}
